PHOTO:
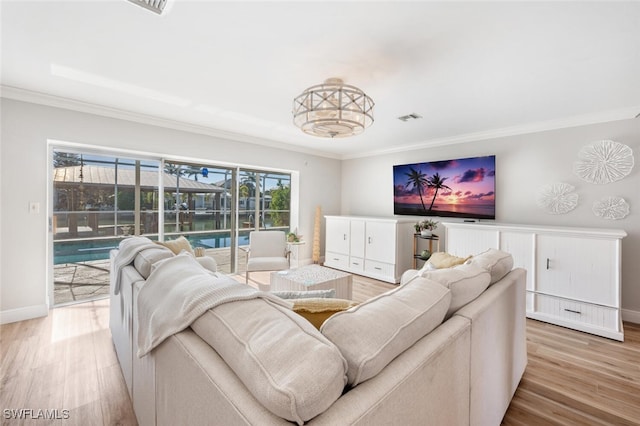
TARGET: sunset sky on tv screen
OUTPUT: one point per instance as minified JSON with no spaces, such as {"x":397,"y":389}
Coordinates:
{"x":452,"y":188}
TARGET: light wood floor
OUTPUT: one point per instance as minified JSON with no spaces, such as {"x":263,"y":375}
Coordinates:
{"x":66,"y":361}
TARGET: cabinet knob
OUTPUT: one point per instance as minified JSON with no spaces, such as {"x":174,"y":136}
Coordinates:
{"x":548,"y":263}
{"x":369,"y":240}
{"x":572,"y":311}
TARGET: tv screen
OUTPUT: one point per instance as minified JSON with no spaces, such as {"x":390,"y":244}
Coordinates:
{"x":463,"y":188}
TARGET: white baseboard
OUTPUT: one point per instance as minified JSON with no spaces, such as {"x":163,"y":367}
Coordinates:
{"x":631,"y":316}
{"x":21,"y":314}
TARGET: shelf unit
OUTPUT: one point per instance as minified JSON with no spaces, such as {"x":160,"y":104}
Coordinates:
{"x":416,"y":249}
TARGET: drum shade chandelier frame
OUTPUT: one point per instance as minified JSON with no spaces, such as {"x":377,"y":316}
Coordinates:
{"x":333,"y":110}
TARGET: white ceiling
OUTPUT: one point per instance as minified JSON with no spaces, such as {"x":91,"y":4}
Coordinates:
{"x":471,"y":69}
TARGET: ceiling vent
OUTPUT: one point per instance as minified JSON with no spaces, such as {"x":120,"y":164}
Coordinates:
{"x":156,"y":6}
{"x":412,"y":116}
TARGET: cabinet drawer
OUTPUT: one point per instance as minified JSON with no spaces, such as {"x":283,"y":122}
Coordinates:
{"x":579,"y":312}
{"x":337,"y":260}
{"x":356,"y":264}
{"x":379,"y":268}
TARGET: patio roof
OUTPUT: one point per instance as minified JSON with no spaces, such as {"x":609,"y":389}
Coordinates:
{"x":99,"y":175}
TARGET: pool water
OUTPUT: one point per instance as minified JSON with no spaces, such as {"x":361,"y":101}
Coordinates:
{"x":87,"y":250}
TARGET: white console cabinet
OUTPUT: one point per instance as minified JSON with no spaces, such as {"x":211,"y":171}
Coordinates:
{"x":573,"y":274}
{"x":379,"y":248}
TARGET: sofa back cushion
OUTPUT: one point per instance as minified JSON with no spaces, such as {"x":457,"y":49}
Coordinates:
{"x":373,"y":333}
{"x":466,"y":282}
{"x":288,"y":366}
{"x":498,"y":263}
{"x":147,"y":257}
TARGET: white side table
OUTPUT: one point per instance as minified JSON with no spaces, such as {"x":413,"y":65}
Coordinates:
{"x":294,"y":249}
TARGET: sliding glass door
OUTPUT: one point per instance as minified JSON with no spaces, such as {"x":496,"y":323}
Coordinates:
{"x":199,"y":203}
{"x":98,"y":199}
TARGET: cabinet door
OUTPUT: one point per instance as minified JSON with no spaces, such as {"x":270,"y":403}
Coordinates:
{"x":380,"y":241}
{"x":521,"y":247}
{"x":467,"y":241}
{"x":583,"y":269}
{"x":337,"y":235}
{"x":356,"y":244}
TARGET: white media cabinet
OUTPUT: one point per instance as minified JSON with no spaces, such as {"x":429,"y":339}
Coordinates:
{"x":573,"y":274}
{"x":375,"y":247}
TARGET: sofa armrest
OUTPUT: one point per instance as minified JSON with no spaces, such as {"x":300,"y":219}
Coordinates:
{"x":498,"y":346}
{"x":426,"y":384}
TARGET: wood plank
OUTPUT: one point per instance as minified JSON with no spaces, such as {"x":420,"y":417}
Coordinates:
{"x":67,"y":361}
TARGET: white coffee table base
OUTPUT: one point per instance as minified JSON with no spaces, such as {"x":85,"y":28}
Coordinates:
{"x":313,"y":277}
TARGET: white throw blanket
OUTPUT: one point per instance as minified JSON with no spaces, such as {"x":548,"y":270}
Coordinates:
{"x":178,"y":292}
{"x":127,"y":252}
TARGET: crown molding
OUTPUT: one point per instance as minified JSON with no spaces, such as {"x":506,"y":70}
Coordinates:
{"x":542,"y":126}
{"x":24,"y":95}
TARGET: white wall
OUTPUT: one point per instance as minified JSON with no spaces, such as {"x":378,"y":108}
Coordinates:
{"x":524,"y":164}
{"x":25,"y":129}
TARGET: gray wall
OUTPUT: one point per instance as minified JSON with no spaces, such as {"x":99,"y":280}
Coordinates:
{"x":25,"y":129}
{"x":524,"y":164}
{"x":357,"y":186}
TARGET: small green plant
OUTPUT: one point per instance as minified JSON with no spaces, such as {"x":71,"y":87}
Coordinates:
{"x":292,"y":237}
{"x":426,"y":224}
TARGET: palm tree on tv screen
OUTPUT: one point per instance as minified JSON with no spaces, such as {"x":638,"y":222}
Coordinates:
{"x":418,"y":180}
{"x":437,"y":182}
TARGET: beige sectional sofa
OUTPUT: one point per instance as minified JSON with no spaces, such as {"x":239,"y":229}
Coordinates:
{"x":446,"y":347}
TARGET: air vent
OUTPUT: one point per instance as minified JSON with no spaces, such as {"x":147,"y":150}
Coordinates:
{"x":412,"y":116}
{"x":156,"y":6}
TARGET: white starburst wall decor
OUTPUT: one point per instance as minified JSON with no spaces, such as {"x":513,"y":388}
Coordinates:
{"x":557,"y":198}
{"x":612,"y":208}
{"x":604,"y":162}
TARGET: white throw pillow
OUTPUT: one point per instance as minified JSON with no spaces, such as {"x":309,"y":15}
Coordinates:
{"x":498,"y":263}
{"x":373,"y":333}
{"x":466,"y":282}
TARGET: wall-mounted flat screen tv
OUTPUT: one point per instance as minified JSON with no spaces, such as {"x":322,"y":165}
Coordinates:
{"x":464,"y":188}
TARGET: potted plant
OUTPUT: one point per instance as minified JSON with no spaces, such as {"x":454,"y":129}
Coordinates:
{"x":292,"y":237}
{"x":417,"y":227}
{"x":427,"y":227}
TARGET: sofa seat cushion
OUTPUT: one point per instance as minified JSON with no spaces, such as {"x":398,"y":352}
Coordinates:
{"x":148,"y":257}
{"x":375,"y":332}
{"x":267,"y":263}
{"x":497,"y":262}
{"x":318,"y":310}
{"x":466,"y":282}
{"x":288,"y":366}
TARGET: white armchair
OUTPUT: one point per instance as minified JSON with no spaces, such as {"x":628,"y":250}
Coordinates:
{"x":267,"y":251}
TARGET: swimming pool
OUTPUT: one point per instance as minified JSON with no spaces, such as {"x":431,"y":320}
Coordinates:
{"x":77,"y":251}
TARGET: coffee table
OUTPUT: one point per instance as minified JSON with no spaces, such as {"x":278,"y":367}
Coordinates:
{"x":313,"y":277}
